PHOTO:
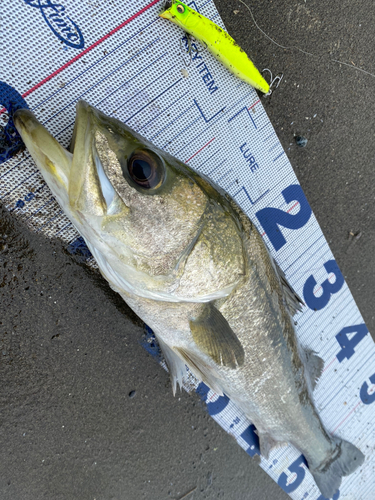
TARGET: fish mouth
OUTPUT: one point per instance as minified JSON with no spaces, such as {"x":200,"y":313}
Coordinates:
{"x":76,"y":177}
{"x":85,"y":193}
{"x":90,"y":190}
{"x":52,"y":159}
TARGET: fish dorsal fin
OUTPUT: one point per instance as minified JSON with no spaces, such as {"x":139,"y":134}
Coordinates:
{"x":314,"y":366}
{"x":293,"y":300}
{"x":213,"y":335}
{"x":201,"y":370}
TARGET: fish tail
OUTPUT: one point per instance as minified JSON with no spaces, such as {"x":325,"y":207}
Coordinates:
{"x":345,"y":460}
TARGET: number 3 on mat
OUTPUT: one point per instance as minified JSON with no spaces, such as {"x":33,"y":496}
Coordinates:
{"x":317,"y":303}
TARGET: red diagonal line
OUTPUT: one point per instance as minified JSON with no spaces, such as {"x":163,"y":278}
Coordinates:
{"x":342,"y":421}
{"x":84,"y":52}
{"x":326,"y":368}
{"x":291,"y":208}
{"x":329,"y":277}
{"x":200,"y":150}
{"x":255,"y":103}
{"x":291,"y":479}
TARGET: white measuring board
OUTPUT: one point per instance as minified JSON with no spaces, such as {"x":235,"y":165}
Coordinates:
{"x":125,"y":60}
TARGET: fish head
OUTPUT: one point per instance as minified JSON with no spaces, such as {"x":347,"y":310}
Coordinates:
{"x":139,"y":209}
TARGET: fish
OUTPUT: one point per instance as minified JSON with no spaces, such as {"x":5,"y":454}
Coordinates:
{"x":192,"y":265}
{"x":218,"y":42}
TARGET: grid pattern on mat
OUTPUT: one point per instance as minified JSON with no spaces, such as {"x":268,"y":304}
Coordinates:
{"x":125,"y":60}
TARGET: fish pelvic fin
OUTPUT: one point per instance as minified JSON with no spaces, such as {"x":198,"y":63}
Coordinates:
{"x":267,"y":443}
{"x":201,"y":370}
{"x":213,"y":335}
{"x":314,"y":366}
{"x":176,"y":366}
{"x":293,"y":301}
{"x":346,"y":459}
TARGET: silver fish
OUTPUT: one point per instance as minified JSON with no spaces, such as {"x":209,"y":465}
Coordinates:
{"x":192,"y":265}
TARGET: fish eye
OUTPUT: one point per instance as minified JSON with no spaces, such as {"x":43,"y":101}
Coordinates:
{"x":180,"y":8}
{"x":146,"y":169}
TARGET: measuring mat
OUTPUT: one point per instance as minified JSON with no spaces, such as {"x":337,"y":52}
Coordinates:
{"x":129,"y":63}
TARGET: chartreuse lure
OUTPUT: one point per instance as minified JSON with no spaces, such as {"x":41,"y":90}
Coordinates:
{"x":218,"y":42}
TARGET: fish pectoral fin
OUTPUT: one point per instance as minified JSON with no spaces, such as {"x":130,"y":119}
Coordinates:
{"x":201,"y":370}
{"x":213,"y":335}
{"x":292,"y":299}
{"x":267,"y":443}
{"x":314,"y":366}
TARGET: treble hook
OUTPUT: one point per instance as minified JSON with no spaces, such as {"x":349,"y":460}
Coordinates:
{"x":189,"y":50}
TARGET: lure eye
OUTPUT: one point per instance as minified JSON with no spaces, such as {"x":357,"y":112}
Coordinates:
{"x":146,"y":169}
{"x":180,"y":8}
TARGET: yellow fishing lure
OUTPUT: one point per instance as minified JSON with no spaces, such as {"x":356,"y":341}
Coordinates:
{"x":218,"y":42}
